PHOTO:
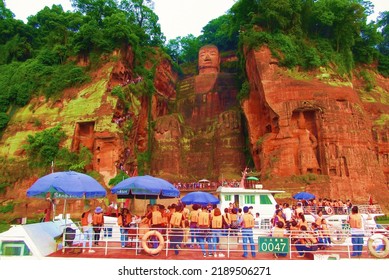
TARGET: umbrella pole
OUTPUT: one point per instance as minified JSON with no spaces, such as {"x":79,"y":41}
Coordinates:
{"x":53,"y":205}
{"x":64,"y":210}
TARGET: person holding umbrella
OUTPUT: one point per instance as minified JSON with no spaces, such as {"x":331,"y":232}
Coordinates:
{"x":98,"y":222}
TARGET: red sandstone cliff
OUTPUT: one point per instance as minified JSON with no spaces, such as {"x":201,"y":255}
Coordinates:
{"x":308,"y":126}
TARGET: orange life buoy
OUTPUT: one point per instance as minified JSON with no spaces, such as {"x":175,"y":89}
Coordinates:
{"x":153,"y":251}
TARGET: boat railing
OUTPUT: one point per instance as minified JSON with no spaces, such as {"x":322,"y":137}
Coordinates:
{"x":227,"y":243}
{"x":342,"y":210}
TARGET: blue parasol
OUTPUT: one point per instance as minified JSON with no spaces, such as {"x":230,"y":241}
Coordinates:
{"x":145,"y":187}
{"x":202,"y":198}
{"x":67,"y":184}
{"x":304,"y":196}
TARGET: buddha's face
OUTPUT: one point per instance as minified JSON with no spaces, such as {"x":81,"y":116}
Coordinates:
{"x":209,"y":60}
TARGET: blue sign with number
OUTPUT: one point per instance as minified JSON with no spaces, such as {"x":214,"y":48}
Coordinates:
{"x":273,"y":244}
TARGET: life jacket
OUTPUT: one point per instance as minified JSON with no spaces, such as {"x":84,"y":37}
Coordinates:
{"x":194,"y":217}
{"x":128,"y":220}
{"x":248,"y":221}
{"x":98,"y":219}
{"x":233,"y":217}
{"x":203,"y":219}
{"x":217,"y":222}
{"x":86,"y":219}
{"x":176,"y":219}
{"x":156,"y":218}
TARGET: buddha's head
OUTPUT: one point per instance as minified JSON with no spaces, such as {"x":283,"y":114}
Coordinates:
{"x":209,"y":59}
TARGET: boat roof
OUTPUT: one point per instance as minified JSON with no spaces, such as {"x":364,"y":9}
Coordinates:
{"x":39,"y":237}
{"x":230,"y":190}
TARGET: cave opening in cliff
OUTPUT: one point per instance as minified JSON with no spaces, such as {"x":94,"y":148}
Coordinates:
{"x":83,"y":136}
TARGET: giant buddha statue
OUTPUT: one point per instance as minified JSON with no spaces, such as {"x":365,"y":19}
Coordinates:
{"x":210,"y":143}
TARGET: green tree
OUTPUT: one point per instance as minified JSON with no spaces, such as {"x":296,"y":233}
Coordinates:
{"x":43,"y":147}
{"x":140,"y":13}
{"x":276,"y":15}
{"x":221,"y":33}
{"x":383,"y":25}
{"x":4,"y":12}
{"x":365,"y":47}
{"x":66,"y":160}
{"x":4,"y":119}
{"x":383,"y":61}
{"x":96,"y":10}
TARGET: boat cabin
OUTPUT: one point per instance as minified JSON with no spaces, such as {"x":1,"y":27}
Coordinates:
{"x":262,"y":201}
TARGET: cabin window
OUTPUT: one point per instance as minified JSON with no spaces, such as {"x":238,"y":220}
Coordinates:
{"x":227,"y":197}
{"x":249,"y":199}
{"x":14,"y":248}
{"x":264,"y":199}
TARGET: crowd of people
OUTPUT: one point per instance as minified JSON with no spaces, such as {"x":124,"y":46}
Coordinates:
{"x":202,"y":226}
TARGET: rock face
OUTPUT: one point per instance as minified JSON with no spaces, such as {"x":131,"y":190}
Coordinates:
{"x":298,"y":127}
{"x":303,"y":134}
{"x":203,"y":137}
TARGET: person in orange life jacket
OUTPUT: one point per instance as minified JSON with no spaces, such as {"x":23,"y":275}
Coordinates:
{"x":247,"y":225}
{"x":186,"y":229}
{"x":279,"y":231}
{"x":216,"y":225}
{"x":98,"y":222}
{"x":306,"y":242}
{"x":87,"y":229}
{"x":124,"y":221}
{"x":193,"y":225}
{"x":155,"y":216}
{"x":177,"y":223}
{"x":234,"y":226}
{"x":355,"y":221}
{"x":165,"y":220}
{"x":226,"y":218}
{"x":203,"y":228}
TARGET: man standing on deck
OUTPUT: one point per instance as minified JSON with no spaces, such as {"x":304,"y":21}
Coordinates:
{"x":355,"y":221}
{"x":247,"y":232}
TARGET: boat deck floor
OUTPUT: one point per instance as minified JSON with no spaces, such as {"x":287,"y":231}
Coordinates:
{"x":116,"y":252}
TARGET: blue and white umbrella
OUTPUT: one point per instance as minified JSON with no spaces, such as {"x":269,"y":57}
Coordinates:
{"x":202,"y":198}
{"x":67,"y":184}
{"x":145,"y":187}
{"x":304,"y":196}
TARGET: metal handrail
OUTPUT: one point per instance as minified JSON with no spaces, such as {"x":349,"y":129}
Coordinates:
{"x":229,"y":242}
